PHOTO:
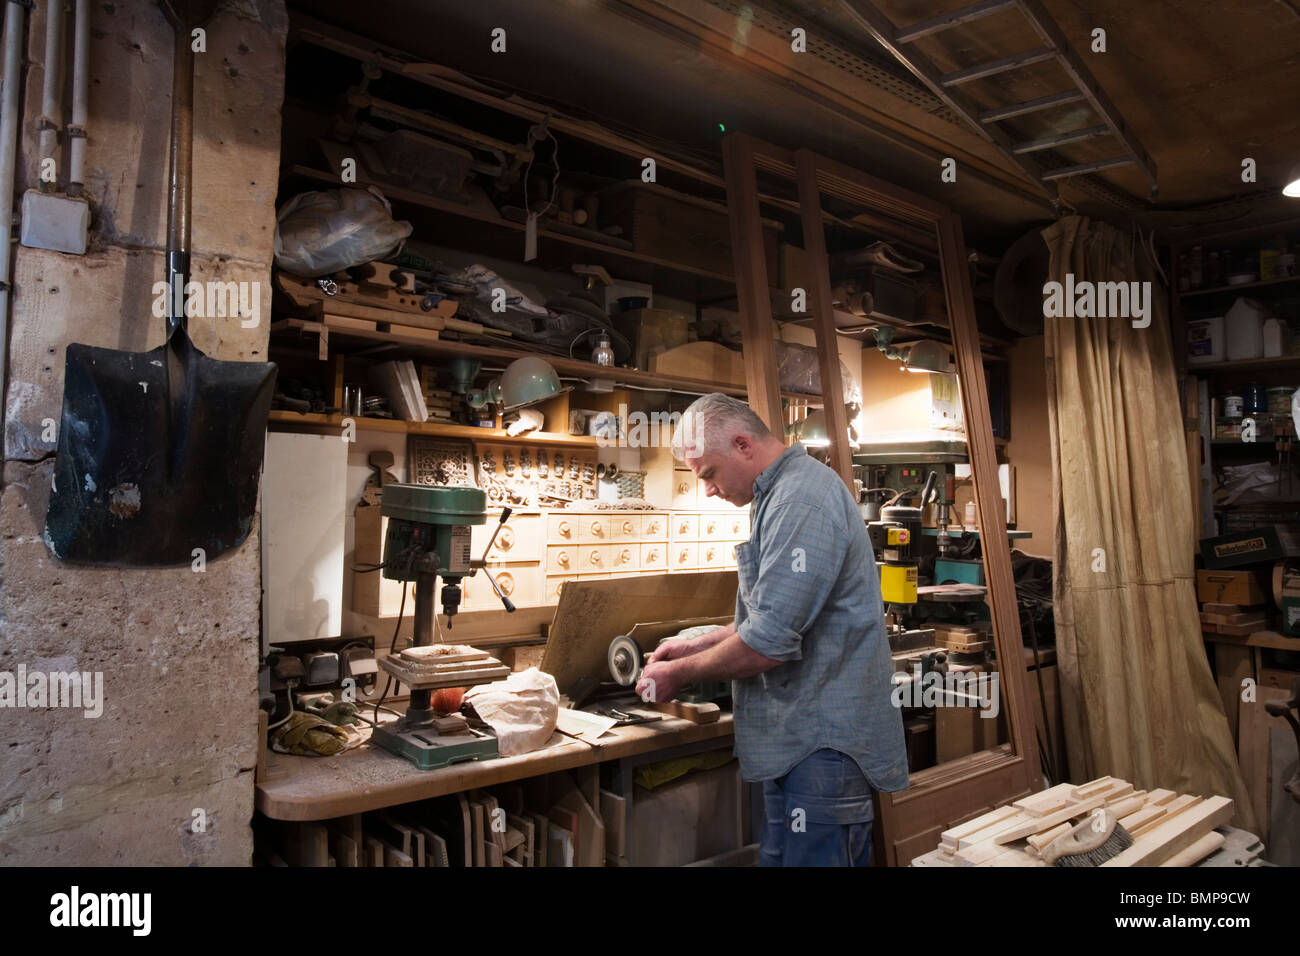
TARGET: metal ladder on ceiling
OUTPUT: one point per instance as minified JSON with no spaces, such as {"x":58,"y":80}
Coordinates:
{"x":984,"y":121}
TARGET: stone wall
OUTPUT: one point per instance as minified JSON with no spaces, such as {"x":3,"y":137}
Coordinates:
{"x":177,"y":649}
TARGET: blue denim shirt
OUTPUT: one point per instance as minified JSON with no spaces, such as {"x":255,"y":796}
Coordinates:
{"x":809,"y":597}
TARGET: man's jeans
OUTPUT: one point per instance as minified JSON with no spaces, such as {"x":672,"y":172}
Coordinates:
{"x":818,"y":814}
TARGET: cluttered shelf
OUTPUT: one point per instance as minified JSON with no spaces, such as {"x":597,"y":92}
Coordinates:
{"x":1237,"y":287}
{"x":368,"y":778}
{"x":365,"y":338}
{"x":505,"y":239}
{"x":282,"y":420}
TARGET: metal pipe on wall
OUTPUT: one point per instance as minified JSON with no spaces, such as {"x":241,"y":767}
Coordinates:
{"x":13,"y":40}
{"x":80,"y":94}
{"x":51,"y":85}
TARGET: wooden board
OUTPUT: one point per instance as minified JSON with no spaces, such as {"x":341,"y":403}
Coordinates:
{"x":1172,"y":809}
{"x":1198,"y":850}
{"x":704,"y":360}
{"x":695,"y":713}
{"x":1048,"y":821}
{"x":613,"y":810}
{"x":1167,"y":839}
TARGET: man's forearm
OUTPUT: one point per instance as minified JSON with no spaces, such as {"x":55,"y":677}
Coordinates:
{"x":729,"y":659}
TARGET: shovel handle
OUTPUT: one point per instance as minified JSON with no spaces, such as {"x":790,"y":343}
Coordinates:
{"x":179,"y":178}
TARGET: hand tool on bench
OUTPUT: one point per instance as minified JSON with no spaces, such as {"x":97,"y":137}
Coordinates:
{"x":160,"y":452}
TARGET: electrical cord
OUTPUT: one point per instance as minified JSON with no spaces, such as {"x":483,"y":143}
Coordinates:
{"x":392,"y":645}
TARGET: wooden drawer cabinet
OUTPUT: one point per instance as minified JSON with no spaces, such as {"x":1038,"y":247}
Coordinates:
{"x":522,"y":583}
{"x":685,"y":527}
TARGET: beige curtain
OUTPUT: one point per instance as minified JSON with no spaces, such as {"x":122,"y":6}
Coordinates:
{"x":1138,"y":697}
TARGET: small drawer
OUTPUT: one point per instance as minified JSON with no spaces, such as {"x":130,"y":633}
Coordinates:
{"x":736,"y":526}
{"x":561,"y":559}
{"x":625,"y":556}
{"x":654,"y":556}
{"x":594,"y":557}
{"x":519,"y":582}
{"x":553,"y":587}
{"x":683,"y":555}
{"x":715,"y":554}
{"x":685,"y":527}
{"x":715,"y":527}
{"x":519,"y":540}
{"x":561,"y":528}
{"x":625,"y":527}
{"x":593,"y":528}
{"x":654,"y":527}
{"x":684,"y":493}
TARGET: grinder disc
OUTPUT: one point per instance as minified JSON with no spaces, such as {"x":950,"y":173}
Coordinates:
{"x":624,"y":659}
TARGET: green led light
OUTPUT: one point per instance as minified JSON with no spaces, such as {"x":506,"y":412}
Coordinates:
{"x":722,"y":128}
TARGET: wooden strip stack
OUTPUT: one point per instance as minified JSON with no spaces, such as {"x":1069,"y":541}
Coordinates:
{"x":1168,"y":829}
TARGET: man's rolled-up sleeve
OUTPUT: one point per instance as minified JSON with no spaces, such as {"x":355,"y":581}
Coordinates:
{"x":798,"y":565}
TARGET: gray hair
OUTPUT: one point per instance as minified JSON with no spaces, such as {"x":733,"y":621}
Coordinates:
{"x":710,"y":422}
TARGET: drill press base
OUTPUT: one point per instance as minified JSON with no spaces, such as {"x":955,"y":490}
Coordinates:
{"x":429,"y":751}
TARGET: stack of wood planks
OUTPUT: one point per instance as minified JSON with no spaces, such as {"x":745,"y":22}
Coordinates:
{"x":1168,"y":829}
{"x":1232,"y":619}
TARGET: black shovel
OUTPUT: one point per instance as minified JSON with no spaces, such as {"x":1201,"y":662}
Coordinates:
{"x":160,"y":452}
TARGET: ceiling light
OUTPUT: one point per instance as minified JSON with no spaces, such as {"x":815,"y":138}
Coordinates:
{"x":528,"y":381}
{"x":925,"y":356}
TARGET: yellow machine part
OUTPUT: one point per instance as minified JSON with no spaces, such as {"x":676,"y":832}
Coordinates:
{"x":897,"y":536}
{"x":898,"y":583}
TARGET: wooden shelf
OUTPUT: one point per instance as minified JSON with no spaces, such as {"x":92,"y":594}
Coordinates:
{"x":1237,"y":288}
{"x":1270,"y":639}
{"x":1246,"y":365}
{"x":365,"y":339}
{"x":504,"y":239}
{"x":307,"y":421}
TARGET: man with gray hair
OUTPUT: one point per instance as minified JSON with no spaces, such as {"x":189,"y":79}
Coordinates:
{"x":807,"y":651}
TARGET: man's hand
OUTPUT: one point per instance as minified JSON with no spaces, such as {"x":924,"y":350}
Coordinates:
{"x":673,"y":648}
{"x":660,"y":681}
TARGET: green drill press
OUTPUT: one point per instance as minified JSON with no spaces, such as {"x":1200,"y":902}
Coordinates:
{"x":429,"y":537}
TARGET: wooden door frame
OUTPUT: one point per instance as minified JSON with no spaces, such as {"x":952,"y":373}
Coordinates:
{"x":909,"y":822}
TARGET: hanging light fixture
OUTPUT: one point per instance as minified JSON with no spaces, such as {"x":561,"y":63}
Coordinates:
{"x":528,"y":381}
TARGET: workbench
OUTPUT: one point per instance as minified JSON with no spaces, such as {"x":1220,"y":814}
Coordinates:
{"x":368,"y":778}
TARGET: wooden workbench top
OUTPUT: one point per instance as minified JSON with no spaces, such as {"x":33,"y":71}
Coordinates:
{"x":368,"y":778}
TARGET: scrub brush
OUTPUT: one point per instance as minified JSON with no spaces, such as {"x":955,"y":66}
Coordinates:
{"x":1091,"y":843}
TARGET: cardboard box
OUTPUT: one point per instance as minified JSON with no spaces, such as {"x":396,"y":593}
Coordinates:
{"x":1270,"y":542}
{"x":1229,"y":587}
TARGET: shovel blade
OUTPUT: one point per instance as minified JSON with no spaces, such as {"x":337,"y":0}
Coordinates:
{"x":156,"y":460}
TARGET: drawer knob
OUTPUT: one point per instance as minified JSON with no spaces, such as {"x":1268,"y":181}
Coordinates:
{"x":506,"y":582}
{"x":711,"y":527}
{"x":627,"y":527}
{"x":654,"y":555}
{"x":653,"y":528}
{"x":595,"y":557}
{"x":683,"y":488}
{"x":506,"y":539}
{"x":735,"y":527}
{"x":563,"y":528}
{"x":709,"y":555}
{"x":596,"y":529}
{"x":625,"y":556}
{"x":562,"y":558}
{"x":681,"y":556}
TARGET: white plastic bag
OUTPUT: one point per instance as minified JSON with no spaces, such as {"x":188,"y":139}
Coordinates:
{"x":522,"y":709}
{"x":318,"y":233}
